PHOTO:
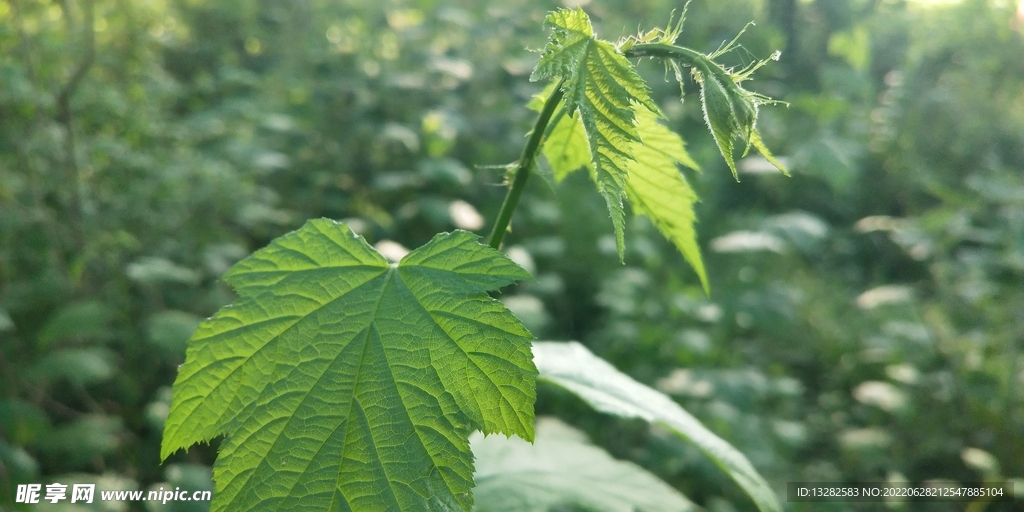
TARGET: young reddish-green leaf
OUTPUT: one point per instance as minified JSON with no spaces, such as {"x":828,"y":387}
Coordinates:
{"x":344,"y":382}
{"x":600,"y":88}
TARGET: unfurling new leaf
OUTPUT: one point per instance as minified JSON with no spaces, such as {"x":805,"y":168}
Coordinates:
{"x":345,"y":382}
{"x":608,"y":124}
{"x":730,"y":111}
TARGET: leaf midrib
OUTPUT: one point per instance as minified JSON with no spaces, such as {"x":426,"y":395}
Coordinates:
{"x":355,"y":391}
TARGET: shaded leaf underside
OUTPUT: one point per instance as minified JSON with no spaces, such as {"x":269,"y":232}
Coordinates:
{"x":561,"y":468}
{"x":572,"y":367}
{"x":343,"y":382}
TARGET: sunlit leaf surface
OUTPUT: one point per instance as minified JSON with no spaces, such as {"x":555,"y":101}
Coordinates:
{"x":344,"y":382}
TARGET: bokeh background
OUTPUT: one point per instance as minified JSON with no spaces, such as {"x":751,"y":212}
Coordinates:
{"x":866,"y":320}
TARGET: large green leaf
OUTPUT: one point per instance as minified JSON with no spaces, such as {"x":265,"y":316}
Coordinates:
{"x":600,"y":88}
{"x":345,"y":382}
{"x":562,"y":468}
{"x":573,"y":367}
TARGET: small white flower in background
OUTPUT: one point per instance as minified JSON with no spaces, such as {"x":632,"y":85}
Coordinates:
{"x":757,"y":164}
{"x":877,"y":223}
{"x":464,"y":216}
{"x":357,"y":225}
{"x":521,"y":257}
{"x":981,"y":460}
{"x":391,"y":250}
{"x":683,"y":382}
{"x":747,"y":241}
{"x":709,"y":313}
{"x":864,"y":438}
{"x":904,"y":373}
{"x":884,"y":295}
{"x":883,"y":395}
{"x":797,"y":223}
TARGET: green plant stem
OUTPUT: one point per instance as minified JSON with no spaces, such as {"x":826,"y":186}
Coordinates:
{"x":682,"y":54}
{"x":524,"y":167}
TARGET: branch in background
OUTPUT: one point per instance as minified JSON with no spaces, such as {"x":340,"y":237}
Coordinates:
{"x":25,"y":46}
{"x":65,"y":117}
{"x":39,"y":177}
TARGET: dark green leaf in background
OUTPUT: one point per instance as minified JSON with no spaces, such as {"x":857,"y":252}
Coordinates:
{"x":76,"y":321}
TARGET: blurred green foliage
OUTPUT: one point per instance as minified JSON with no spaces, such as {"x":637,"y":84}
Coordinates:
{"x":866,"y":317}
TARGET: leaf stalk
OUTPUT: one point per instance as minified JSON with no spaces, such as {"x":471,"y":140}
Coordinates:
{"x":524,"y":167}
{"x":682,"y":54}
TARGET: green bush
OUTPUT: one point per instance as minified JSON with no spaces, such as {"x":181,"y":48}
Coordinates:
{"x":205,"y":129}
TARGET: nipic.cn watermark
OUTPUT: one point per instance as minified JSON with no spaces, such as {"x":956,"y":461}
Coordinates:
{"x":86,"y":493}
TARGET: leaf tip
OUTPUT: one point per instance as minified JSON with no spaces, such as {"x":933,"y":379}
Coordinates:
{"x":759,"y":145}
{"x":168,"y":448}
{"x":706,"y":285}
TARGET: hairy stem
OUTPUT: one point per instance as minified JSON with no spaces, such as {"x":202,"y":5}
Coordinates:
{"x":681,"y":54}
{"x":524,"y":167}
